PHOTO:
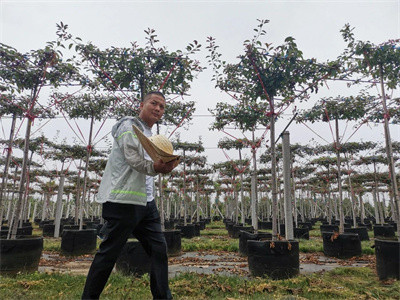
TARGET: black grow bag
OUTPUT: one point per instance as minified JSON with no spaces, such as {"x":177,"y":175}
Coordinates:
{"x":329,"y":228}
{"x":78,"y":242}
{"x":302,"y":233}
{"x":275,"y":259}
{"x":265,"y":225}
{"x":361,"y":231}
{"x":174,"y":242}
{"x":343,"y":245}
{"x":25,"y":231}
{"x":133,"y":259}
{"x":20,"y":255}
{"x":237,"y":228}
{"x":245,"y":236}
{"x":383,"y":231}
{"x":387,"y":259}
{"x":187,"y":231}
{"x":48,"y":229}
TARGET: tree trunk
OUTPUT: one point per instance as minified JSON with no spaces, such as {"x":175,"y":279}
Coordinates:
{"x":254,"y":219}
{"x":7,"y":166}
{"x":289,"y":235}
{"x":339,"y":174}
{"x":375,"y":198}
{"x":389,"y":153}
{"x":273,"y":173}
{"x":21,"y":190}
{"x":59,"y":206}
{"x":85,"y":176}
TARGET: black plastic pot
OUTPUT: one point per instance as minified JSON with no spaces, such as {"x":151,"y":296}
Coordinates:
{"x":216,"y":218}
{"x":343,"y":245}
{"x":170,"y":224}
{"x":78,"y":242}
{"x":70,"y":227}
{"x":187,"y":231}
{"x":42,"y":223}
{"x":387,"y":259}
{"x":174,"y":242}
{"x":275,"y":259}
{"x":328,"y":228}
{"x":383,"y":231}
{"x":245,"y":236}
{"x":196,"y":229}
{"x":368,"y":226}
{"x":48,"y":230}
{"x":361,"y":231}
{"x":302,"y":233}
{"x":308,"y":225}
{"x":265,"y":225}
{"x":25,"y":231}
{"x":20,"y":255}
{"x":229,"y":226}
{"x":202,"y":225}
{"x":237,"y":228}
{"x":133,"y":260}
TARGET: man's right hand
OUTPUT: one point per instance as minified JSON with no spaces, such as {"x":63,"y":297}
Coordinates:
{"x":163,"y":168}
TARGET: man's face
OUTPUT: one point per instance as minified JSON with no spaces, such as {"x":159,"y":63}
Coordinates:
{"x":152,"y":109}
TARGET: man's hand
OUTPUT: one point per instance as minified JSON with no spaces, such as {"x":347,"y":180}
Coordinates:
{"x":164,"y":168}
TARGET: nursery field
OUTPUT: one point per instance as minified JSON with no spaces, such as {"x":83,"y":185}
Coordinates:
{"x":210,"y":267}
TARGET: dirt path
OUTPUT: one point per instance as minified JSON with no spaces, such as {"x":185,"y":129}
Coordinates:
{"x":206,"y":262}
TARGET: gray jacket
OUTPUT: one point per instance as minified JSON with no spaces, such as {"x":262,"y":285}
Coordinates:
{"x":124,"y":178}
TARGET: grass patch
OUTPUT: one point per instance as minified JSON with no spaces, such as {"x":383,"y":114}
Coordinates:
{"x":202,"y":243}
{"x":366,"y":247}
{"x":311,"y":245}
{"x":215,"y":231}
{"x":52,"y":244}
{"x":341,"y":283}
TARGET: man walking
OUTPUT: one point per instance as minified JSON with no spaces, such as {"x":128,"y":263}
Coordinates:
{"x":127,"y":194}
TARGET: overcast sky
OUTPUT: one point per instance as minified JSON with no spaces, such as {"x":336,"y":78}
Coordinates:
{"x":315,"y":25}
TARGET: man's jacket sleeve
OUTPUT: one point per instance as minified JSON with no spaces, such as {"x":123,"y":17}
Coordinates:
{"x":131,"y":150}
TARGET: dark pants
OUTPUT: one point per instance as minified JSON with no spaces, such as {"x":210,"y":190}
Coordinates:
{"x":144,"y":223}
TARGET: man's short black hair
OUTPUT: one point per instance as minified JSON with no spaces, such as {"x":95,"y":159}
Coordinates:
{"x":154,"y":93}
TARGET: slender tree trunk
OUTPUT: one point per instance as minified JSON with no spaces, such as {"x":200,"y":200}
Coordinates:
{"x":273,"y":173}
{"x":241,"y":189}
{"x":59,"y":206}
{"x":85,"y":176}
{"x":352,"y":197}
{"x":21,"y":190}
{"x":289,"y":235}
{"x":7,"y":166}
{"x":184,"y":190}
{"x":389,"y":153}
{"x":341,"y":215}
{"x":254,"y":218}
{"x":375,"y":199}
{"x":362,"y":209}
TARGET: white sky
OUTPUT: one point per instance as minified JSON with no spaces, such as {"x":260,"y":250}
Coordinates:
{"x":315,"y":25}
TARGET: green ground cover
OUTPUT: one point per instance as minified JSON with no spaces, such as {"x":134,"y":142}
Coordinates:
{"x":341,"y":283}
